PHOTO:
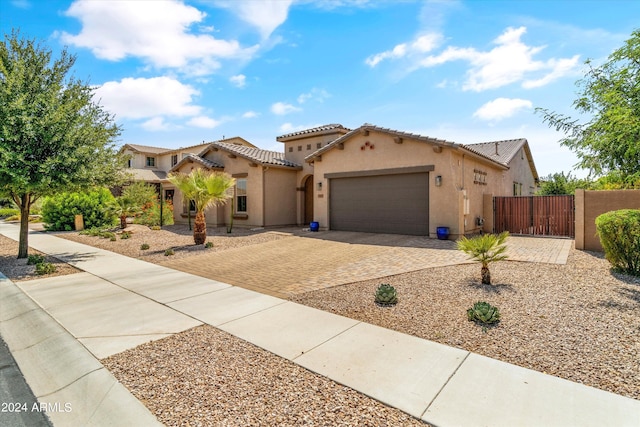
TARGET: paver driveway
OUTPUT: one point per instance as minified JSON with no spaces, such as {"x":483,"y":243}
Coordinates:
{"x":308,"y":261}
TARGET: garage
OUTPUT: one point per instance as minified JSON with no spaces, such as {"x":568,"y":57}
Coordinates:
{"x":385,"y":202}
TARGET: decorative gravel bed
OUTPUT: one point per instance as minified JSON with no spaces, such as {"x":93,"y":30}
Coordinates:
{"x":577,"y":321}
{"x":18,"y":270}
{"x":206,"y":377}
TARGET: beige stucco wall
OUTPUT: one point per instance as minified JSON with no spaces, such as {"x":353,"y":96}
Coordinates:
{"x":446,"y":203}
{"x":280,"y":200}
{"x":590,"y":204}
{"x":519,"y":171}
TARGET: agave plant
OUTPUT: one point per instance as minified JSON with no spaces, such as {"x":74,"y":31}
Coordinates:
{"x":386,"y":295}
{"x":483,"y":312}
{"x":485,"y":249}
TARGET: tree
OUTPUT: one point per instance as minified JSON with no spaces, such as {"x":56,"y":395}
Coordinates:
{"x":123,"y":207}
{"x":559,"y":183}
{"x":205,"y":189}
{"x":485,"y":249}
{"x":610,"y":93}
{"x":53,"y":136}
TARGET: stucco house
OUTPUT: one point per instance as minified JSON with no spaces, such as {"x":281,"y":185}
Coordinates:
{"x":366,"y":179}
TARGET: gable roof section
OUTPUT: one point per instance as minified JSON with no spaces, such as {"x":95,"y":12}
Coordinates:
{"x":504,"y":151}
{"x":369,"y":127}
{"x":145,"y":149}
{"x":257,"y":155}
{"x":148,"y":175}
{"x":320,"y":130}
{"x":192,"y":158}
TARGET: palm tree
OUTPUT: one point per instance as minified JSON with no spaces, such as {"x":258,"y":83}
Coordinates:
{"x":485,"y":249}
{"x":122,"y":208}
{"x":206,"y":189}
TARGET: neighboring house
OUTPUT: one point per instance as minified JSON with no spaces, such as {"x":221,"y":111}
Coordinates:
{"x":366,"y":179}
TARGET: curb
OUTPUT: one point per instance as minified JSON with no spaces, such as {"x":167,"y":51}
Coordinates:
{"x":71,"y":385}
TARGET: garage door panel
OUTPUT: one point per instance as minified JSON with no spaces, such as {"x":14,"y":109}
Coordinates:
{"x":384,"y":204}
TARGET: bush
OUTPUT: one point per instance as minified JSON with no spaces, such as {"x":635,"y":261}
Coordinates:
{"x":59,"y":211}
{"x":619,"y":233}
{"x":169,"y":252}
{"x":208,"y":245}
{"x":125,"y":236}
{"x":45,"y":268}
{"x":7,"y":212}
{"x":144,"y":246}
{"x":35,"y":259}
{"x":150,"y":215}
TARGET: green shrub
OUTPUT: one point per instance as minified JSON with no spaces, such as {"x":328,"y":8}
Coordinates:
{"x":59,"y":211}
{"x":483,"y":312}
{"x":208,"y":245}
{"x":619,"y":233}
{"x":125,"y":235}
{"x":144,"y":246}
{"x":13,"y":218}
{"x":169,"y":252}
{"x":386,"y":295}
{"x":45,"y":268}
{"x":34,"y":259}
{"x":7,"y":212}
{"x":113,"y":238}
{"x":150,"y":215}
{"x":155,"y":227}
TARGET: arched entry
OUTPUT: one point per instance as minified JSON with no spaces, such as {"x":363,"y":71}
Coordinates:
{"x":308,"y":199}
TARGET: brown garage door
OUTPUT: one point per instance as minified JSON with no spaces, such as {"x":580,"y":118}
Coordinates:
{"x":397,"y":204}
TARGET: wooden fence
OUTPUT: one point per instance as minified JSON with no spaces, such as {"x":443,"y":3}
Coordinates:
{"x":535,"y":215}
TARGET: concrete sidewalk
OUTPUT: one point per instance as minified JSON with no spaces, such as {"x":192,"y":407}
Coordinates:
{"x":442,"y":385}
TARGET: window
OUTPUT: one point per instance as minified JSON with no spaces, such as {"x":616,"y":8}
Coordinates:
{"x":308,"y":146}
{"x":129,"y":163}
{"x":151,"y":162}
{"x":241,"y":195}
{"x":168,"y":195}
{"x":319,"y":145}
{"x":517,"y":189}
{"x":299,"y":147}
{"x":291,"y":149}
{"x":174,"y":160}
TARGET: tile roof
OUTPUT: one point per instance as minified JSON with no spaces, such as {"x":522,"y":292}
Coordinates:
{"x":499,"y":151}
{"x":146,"y":148}
{"x":257,"y":155}
{"x":148,"y":175}
{"x":192,"y":158}
{"x":318,"y":129}
{"x":371,"y":127}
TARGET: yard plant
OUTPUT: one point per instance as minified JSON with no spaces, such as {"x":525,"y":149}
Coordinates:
{"x":619,"y":233}
{"x":206,"y":189}
{"x":485,"y":249}
{"x":386,"y":295}
{"x":483,"y":312}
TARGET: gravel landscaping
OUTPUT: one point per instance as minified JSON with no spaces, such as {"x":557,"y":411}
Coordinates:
{"x":18,"y":269}
{"x":578,"y":321}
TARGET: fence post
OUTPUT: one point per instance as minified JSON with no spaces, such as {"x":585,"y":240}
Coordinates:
{"x":579,"y":219}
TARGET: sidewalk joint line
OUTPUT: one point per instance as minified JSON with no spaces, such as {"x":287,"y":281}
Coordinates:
{"x":325,"y":341}
{"x":444,"y":385}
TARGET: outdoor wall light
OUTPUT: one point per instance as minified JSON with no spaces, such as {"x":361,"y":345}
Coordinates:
{"x":438,"y":180}
{"x":320,"y":186}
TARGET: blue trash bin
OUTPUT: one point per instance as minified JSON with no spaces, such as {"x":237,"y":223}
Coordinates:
{"x":314,"y":226}
{"x":443,"y":233}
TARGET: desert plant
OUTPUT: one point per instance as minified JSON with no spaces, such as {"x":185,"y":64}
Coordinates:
{"x":619,"y":233}
{"x":35,"y":259}
{"x":208,"y":245}
{"x":155,"y":227}
{"x":205,"y":189}
{"x":125,"y":235}
{"x":483,"y":312}
{"x":386,"y":295}
{"x":43,"y":268}
{"x":7,"y":212}
{"x":150,"y":214}
{"x":122,"y":208}
{"x":169,"y":252}
{"x":485,"y":249}
{"x":113,"y":238}
{"x":144,"y":246}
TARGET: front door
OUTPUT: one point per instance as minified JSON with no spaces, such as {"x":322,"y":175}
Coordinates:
{"x":308,"y":200}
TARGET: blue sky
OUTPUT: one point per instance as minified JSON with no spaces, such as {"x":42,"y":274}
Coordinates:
{"x":176,"y":73}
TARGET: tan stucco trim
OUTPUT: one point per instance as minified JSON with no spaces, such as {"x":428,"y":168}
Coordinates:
{"x":375,"y":172}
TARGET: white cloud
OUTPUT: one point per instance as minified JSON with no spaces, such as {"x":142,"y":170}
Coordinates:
{"x":289,"y":127}
{"x":265,"y":15}
{"x":315,"y":94}
{"x":156,"y":31}
{"x":282,"y":108}
{"x":510,"y":61}
{"x":143,"y":98}
{"x":250,"y":115}
{"x":155,"y":124}
{"x":239,"y":81}
{"x":502,"y":108}
{"x":422,"y":44}
{"x":203,"y":122}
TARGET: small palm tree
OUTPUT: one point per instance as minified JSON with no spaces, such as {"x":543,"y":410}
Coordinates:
{"x":123,"y":208}
{"x":485,"y":249}
{"x":206,"y":189}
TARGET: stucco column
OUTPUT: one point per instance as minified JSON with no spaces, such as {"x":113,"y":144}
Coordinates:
{"x":579,"y":218}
